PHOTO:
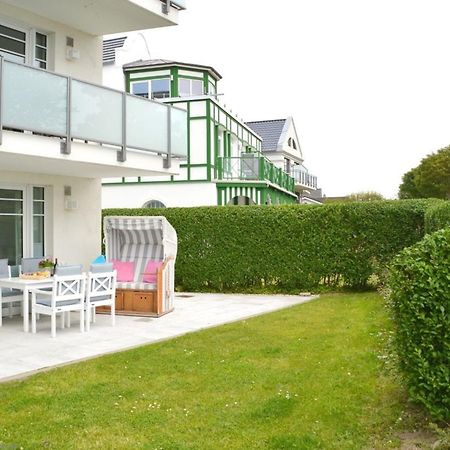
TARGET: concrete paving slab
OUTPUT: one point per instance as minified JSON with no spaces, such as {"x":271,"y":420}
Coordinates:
{"x":22,"y":354}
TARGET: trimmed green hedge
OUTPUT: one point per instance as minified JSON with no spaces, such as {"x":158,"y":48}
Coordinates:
{"x":288,"y":248}
{"x":437,"y":216}
{"x":419,"y":282}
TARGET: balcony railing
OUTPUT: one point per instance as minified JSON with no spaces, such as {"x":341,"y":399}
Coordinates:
{"x":303,"y":178}
{"x":253,"y":167}
{"x":47,"y":103}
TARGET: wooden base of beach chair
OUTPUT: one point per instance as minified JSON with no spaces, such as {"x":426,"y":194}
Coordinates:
{"x":136,"y":303}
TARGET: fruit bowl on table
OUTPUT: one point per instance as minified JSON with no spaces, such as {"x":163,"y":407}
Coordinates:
{"x":36,"y":275}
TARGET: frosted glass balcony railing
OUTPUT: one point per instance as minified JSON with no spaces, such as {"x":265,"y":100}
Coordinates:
{"x":303,"y":178}
{"x":56,"y":105}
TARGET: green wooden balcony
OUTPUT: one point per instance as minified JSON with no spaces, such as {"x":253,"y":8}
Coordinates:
{"x":253,"y":167}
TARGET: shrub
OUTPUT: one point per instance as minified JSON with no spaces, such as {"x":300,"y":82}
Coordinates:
{"x":419,"y":282}
{"x":288,"y":248}
{"x":437,"y":216}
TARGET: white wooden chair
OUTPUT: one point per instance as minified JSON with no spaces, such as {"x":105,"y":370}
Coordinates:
{"x":100,"y":291}
{"x":67,"y":294}
{"x":7,"y":296}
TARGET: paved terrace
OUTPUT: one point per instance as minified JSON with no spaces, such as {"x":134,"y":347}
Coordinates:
{"x":22,"y":354}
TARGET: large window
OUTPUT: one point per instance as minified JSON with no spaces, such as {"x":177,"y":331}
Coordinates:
{"x":11,"y":224}
{"x":22,"y":222}
{"x":188,"y":87}
{"x":157,"y":88}
{"x":24,"y":46}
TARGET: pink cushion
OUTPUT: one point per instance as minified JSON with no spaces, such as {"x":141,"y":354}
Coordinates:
{"x":151,"y":269}
{"x":125,"y":270}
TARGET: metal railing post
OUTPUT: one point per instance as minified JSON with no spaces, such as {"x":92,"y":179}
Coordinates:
{"x":168,"y":160}
{"x":1,"y":99}
{"x":122,"y":153}
{"x":66,"y":146}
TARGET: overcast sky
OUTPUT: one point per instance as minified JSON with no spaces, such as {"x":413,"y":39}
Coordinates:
{"x":366,"y":81}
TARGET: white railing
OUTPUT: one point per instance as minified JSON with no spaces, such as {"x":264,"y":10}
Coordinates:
{"x":47,"y":103}
{"x":302,"y":177}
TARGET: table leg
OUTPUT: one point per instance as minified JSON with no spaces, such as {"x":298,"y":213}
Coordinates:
{"x":25,"y":310}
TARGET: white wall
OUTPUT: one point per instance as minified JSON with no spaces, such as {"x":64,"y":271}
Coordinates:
{"x":73,"y":236}
{"x":88,"y":67}
{"x":171,"y":194}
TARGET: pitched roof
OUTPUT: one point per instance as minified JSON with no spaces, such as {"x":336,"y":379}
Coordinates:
{"x":109,"y":48}
{"x":270,"y":131}
{"x":165,"y":62}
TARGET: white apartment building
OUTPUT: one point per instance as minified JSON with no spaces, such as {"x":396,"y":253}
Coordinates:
{"x":61,"y":131}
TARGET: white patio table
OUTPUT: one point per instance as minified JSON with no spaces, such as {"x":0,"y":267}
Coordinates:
{"x":24,"y":285}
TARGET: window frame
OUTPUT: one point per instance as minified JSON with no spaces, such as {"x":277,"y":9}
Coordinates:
{"x":191,"y":81}
{"x":30,"y":43}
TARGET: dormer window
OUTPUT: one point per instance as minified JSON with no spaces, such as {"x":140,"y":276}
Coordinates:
{"x":292,"y":144}
{"x":188,"y":87}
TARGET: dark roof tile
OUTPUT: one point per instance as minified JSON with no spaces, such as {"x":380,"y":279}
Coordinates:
{"x":270,"y":132}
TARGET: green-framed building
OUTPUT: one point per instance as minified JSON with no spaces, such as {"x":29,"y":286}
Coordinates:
{"x":228,"y":161}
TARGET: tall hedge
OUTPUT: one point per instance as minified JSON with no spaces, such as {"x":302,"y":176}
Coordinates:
{"x":420,"y":297}
{"x":437,"y":216}
{"x":288,"y":248}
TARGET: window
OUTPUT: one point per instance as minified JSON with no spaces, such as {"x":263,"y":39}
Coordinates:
{"x":211,"y":88}
{"x":287,"y":165}
{"x":161,"y":88}
{"x":22,"y":221}
{"x":292,"y":144}
{"x":15,"y":44}
{"x":154,"y":204}
{"x":40,"y":51}
{"x":188,"y":87}
{"x":158,"y":88}
{"x":38,"y":221}
{"x":140,"y":89}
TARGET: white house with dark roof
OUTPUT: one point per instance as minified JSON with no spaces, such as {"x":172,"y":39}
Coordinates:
{"x":228,"y":161}
{"x":61,"y":131}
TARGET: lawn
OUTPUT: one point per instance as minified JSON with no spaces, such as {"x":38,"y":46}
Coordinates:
{"x":307,"y":377}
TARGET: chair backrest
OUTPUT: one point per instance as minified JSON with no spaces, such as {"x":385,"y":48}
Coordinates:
{"x":4,"y":268}
{"x":75,"y":269}
{"x":101,"y":281}
{"x":30,"y":264}
{"x":68,"y":287}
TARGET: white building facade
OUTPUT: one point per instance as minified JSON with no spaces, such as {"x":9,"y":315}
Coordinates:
{"x":61,"y":131}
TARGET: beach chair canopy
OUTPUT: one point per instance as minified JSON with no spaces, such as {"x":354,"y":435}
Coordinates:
{"x":139,"y":239}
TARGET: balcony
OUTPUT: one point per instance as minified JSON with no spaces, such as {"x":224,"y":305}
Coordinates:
{"x":99,"y":17}
{"x":303,"y":180}
{"x":253,"y":167}
{"x":80,"y":121}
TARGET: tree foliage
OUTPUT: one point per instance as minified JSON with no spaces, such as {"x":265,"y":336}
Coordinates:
{"x":368,"y":196}
{"x":431,"y":178}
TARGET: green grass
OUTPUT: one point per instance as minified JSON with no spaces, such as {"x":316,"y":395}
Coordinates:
{"x":306,"y":377}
